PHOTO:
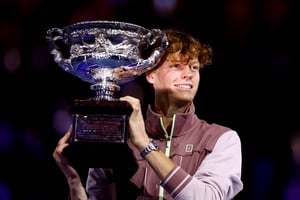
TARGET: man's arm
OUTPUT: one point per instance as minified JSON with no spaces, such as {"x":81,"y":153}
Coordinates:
{"x":217,"y":178}
{"x":77,"y":191}
{"x":161,"y":164}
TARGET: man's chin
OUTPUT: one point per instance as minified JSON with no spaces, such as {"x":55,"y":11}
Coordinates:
{"x":184,"y":101}
{"x":186,"y":97}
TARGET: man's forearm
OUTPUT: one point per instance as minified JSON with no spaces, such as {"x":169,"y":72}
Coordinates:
{"x":77,"y":191}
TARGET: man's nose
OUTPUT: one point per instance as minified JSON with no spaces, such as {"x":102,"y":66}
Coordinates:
{"x":187,"y":72}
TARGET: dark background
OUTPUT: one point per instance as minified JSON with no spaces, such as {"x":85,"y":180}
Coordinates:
{"x":251,"y":87}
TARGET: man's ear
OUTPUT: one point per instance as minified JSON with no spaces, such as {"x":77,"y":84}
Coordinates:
{"x":150,"y":76}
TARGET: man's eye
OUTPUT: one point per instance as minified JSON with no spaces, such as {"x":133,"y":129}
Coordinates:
{"x":176,"y":65}
{"x":195,"y":68}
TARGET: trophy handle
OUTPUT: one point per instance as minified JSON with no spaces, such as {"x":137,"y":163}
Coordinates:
{"x":152,"y":48}
{"x":59,"y":47}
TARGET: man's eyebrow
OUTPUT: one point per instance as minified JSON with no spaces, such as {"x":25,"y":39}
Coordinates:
{"x":194,"y":63}
{"x":178,"y":61}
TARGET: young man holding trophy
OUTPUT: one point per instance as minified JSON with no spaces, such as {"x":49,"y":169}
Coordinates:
{"x":178,"y":155}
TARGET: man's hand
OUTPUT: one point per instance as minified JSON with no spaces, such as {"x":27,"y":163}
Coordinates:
{"x":137,"y":132}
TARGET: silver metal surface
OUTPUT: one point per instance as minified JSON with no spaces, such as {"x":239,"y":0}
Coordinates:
{"x":106,"y":53}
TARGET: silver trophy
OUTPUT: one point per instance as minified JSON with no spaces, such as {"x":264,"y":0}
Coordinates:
{"x":105,"y":54}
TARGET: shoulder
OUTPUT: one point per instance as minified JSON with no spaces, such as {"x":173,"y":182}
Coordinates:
{"x":213,"y":132}
{"x":229,"y":137}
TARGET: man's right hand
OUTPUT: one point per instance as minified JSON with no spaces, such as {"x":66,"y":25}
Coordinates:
{"x":76,"y":188}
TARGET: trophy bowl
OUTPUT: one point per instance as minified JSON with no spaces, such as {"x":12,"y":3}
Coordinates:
{"x":106,"y":54}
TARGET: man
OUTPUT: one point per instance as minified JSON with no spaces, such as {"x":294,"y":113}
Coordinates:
{"x":179,"y":156}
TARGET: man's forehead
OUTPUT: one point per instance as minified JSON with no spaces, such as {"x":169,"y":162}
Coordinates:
{"x":176,"y":57}
{"x":181,"y":58}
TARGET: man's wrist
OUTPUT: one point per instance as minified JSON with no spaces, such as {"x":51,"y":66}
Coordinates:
{"x":152,"y":146}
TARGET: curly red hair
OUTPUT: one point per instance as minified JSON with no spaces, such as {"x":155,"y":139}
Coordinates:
{"x":188,"y":46}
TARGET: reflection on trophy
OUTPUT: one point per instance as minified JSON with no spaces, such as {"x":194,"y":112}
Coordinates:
{"x":105,"y":54}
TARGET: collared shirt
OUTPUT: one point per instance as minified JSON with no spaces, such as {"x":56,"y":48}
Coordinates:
{"x":208,"y":159}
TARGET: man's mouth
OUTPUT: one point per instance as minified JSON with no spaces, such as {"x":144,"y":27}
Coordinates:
{"x":184,"y":86}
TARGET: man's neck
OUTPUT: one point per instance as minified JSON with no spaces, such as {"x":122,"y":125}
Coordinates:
{"x":168,"y":112}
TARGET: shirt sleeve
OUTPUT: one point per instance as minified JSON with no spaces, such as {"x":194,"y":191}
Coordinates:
{"x":98,"y":185}
{"x":219,"y":175}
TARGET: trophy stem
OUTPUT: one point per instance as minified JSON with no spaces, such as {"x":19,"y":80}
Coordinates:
{"x":106,"y":90}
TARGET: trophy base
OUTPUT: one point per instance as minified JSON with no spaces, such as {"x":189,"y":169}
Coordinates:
{"x":96,"y":155}
{"x":99,"y":137}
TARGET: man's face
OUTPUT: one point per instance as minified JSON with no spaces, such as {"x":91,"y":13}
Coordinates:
{"x":176,"y":79}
